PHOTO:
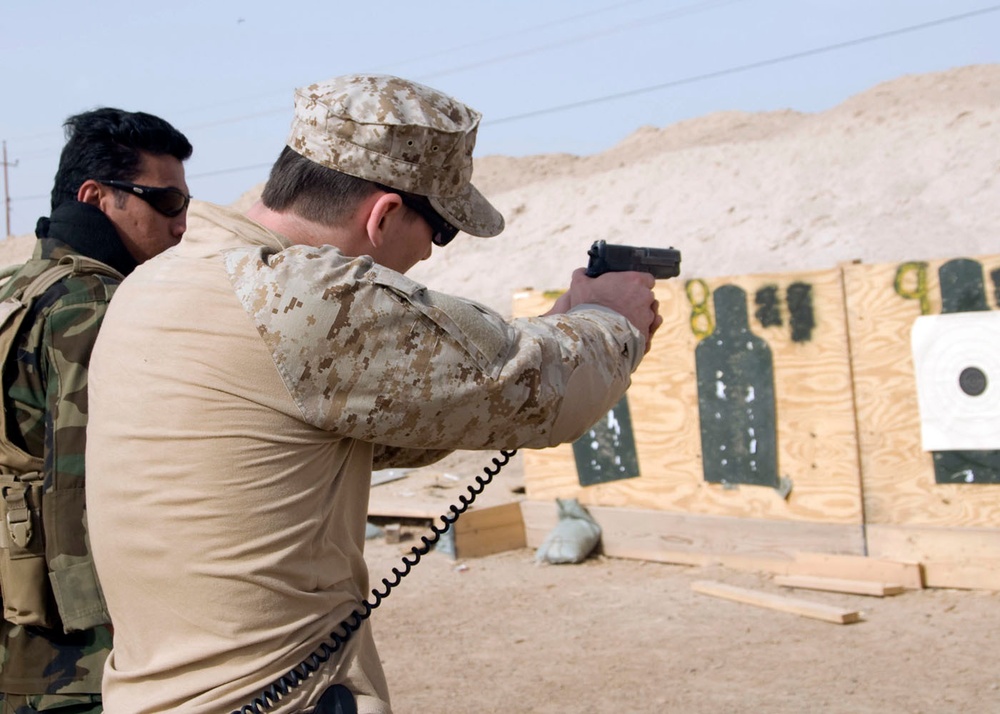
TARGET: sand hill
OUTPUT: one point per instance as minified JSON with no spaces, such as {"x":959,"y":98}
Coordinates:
{"x":909,"y":169}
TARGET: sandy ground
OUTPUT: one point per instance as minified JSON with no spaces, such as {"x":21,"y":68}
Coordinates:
{"x":502,"y":633}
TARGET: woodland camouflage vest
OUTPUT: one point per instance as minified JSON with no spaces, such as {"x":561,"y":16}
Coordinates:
{"x":29,"y":590}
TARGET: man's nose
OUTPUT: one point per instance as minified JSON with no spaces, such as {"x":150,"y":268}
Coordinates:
{"x":179,"y":225}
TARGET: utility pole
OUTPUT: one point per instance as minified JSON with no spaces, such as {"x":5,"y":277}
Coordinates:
{"x":6,"y":186}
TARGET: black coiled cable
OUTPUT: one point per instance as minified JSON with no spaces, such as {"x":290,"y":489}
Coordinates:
{"x":298,"y":674}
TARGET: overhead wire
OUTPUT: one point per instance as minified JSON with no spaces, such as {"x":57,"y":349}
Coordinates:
{"x":443,"y":52}
{"x":516,"y":33}
{"x":640,"y":22}
{"x":737,"y":69}
{"x":677,"y":12}
{"x":745,"y":67}
{"x":700,"y":4}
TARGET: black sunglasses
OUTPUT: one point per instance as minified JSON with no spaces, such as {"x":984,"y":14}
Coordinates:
{"x":169,"y":201}
{"x":442,"y":232}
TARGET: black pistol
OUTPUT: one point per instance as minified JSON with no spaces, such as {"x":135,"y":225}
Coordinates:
{"x":661,"y":263}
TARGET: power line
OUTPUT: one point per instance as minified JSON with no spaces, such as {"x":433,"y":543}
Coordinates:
{"x":516,"y":33}
{"x":439,"y":53}
{"x":677,"y":82}
{"x":641,"y":22}
{"x":235,"y":170}
{"x":242,"y":117}
{"x":639,"y":91}
{"x":745,"y":67}
{"x":457,"y":48}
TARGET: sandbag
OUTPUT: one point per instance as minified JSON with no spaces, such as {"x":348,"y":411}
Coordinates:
{"x":574,"y":537}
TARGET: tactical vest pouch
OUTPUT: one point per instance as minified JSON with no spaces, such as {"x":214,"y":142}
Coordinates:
{"x":72,"y":575}
{"x":23,"y":569}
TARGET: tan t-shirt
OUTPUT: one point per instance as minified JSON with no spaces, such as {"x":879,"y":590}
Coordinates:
{"x":240,"y":391}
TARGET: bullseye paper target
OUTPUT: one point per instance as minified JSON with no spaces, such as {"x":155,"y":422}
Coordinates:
{"x":957,"y":363}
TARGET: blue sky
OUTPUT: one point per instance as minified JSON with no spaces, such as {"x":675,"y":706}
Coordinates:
{"x":574,"y":76}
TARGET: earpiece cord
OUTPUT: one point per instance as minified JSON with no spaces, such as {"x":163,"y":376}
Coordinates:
{"x":298,"y":674}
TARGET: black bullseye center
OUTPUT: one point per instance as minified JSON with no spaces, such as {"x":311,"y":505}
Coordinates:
{"x":972,"y":381}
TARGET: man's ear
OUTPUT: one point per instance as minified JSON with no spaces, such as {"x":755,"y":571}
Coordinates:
{"x":386,"y":208}
{"x":90,"y":192}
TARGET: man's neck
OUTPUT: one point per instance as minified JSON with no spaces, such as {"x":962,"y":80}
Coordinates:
{"x":302,"y":231}
{"x":88,"y":231}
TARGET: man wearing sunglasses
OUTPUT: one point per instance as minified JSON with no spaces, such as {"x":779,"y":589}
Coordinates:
{"x":119,"y":198}
{"x":253,"y":376}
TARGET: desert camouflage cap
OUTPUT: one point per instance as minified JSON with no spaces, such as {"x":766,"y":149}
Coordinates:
{"x":398,"y":133}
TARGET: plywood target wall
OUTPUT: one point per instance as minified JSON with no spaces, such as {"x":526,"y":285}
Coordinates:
{"x":723,"y":342}
{"x":933,"y":506}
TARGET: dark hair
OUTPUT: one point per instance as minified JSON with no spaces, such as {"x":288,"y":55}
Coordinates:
{"x":106,"y":144}
{"x":312,"y":191}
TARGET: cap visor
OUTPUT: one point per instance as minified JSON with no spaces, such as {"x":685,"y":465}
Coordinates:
{"x":470,"y":212}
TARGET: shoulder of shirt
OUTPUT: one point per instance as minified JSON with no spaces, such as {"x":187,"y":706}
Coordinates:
{"x":71,"y":290}
{"x":210,"y":224}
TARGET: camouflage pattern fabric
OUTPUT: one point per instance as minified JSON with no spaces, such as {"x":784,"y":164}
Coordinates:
{"x":398,"y":133}
{"x":45,"y":391}
{"x":31,"y":703}
{"x":440,"y":356}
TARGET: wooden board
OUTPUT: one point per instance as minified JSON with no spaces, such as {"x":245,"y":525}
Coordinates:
{"x":746,"y":543}
{"x":805,"y":608}
{"x":967,"y":558}
{"x":839,"y":585}
{"x":854,"y":567}
{"x":816,"y":442}
{"x":483,"y":531}
{"x":489,"y":530}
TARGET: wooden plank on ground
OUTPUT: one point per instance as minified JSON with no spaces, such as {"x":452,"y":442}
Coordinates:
{"x":477,"y":532}
{"x":839,"y":585}
{"x":982,"y":575}
{"x":857,"y":567}
{"x":484,"y":531}
{"x":805,"y":608}
{"x":950,"y":557}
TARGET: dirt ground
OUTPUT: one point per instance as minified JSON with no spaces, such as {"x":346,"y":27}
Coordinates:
{"x":503,"y":634}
